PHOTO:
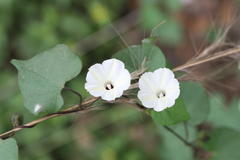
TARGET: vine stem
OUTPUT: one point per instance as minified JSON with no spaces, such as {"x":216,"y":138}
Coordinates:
{"x":85,"y":106}
{"x":75,"y":92}
{"x":180,"y":138}
{"x":195,"y":148}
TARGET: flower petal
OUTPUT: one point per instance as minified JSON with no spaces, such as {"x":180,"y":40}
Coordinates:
{"x":172,"y":88}
{"x":96,"y":74}
{"x":164,"y":104}
{"x":173,"y":93}
{"x":122,"y":80}
{"x":162,"y":76}
{"x":159,"y":108}
{"x":95,"y":90}
{"x":146,"y":82}
{"x":148,"y":100}
{"x":170,"y":103}
{"x":109,"y":95}
{"x":112,"y":67}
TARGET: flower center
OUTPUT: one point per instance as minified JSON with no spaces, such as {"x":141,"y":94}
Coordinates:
{"x":161,"y":94}
{"x":109,"y":86}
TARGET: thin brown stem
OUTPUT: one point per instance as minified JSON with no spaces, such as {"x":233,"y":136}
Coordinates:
{"x":181,"y":138}
{"x":143,"y":109}
{"x":74,"y":92}
{"x":81,"y":107}
{"x":86,"y":106}
{"x":216,"y":56}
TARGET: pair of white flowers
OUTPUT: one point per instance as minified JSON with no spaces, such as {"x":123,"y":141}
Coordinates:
{"x":158,"y":89}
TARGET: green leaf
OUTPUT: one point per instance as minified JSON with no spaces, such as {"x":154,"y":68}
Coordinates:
{"x":42,"y":78}
{"x":196,"y":101}
{"x":224,"y":144}
{"x":172,"y":115}
{"x":218,"y":110}
{"x":140,"y":56}
{"x":171,"y":144}
{"x":8,"y":149}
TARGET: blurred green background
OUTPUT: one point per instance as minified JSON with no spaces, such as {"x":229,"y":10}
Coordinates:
{"x":89,"y":28}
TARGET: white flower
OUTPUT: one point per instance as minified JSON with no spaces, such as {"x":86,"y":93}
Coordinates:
{"x":158,"y":89}
{"x":108,"y":80}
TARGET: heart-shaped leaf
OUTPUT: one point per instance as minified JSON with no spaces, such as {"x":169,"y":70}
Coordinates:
{"x":196,"y":101}
{"x":42,"y":78}
{"x":224,"y":144}
{"x":141,"y":56}
{"x":170,"y":143}
{"x":218,"y":110}
{"x":8,"y":149}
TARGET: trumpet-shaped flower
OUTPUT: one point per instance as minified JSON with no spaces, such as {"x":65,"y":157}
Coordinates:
{"x":158,"y":89}
{"x":108,"y":80}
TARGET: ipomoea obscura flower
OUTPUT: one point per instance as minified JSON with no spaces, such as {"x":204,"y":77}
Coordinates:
{"x":108,"y":80}
{"x":158,"y":89}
